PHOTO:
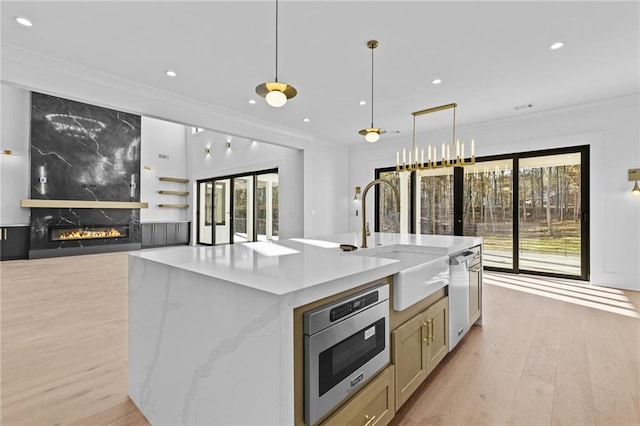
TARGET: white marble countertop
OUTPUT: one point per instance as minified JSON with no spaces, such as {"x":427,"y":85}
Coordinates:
{"x":204,"y":321}
{"x":286,"y":266}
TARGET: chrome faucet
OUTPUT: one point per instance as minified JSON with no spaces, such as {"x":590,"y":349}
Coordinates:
{"x":365,"y":225}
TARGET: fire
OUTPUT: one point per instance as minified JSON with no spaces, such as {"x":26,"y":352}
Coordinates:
{"x":80,"y":234}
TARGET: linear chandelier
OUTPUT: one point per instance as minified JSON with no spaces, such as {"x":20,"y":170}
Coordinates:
{"x":418,"y":162}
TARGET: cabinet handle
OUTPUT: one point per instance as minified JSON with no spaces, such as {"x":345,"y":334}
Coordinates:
{"x":5,"y":233}
{"x":430,"y":330}
{"x":369,"y":419}
{"x":424,"y":326}
{"x":475,"y":269}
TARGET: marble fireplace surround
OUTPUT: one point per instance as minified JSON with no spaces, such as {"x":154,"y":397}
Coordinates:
{"x":85,"y":172}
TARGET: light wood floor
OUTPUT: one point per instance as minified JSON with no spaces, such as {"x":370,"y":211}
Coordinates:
{"x":545,"y":356}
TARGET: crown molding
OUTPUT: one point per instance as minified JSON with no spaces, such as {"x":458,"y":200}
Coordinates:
{"x":33,"y":71}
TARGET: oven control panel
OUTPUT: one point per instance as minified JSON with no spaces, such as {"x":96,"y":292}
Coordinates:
{"x":352,"y":306}
{"x":328,"y":315}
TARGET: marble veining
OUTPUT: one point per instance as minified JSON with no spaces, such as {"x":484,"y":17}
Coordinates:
{"x":211,"y":328}
{"x":83,"y":152}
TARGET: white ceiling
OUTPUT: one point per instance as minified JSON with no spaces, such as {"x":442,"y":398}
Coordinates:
{"x":491,"y":56}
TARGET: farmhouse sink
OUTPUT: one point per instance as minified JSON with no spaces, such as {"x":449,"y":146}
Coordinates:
{"x":420,"y":276}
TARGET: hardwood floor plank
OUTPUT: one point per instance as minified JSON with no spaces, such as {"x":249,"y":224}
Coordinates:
{"x":537,"y":360}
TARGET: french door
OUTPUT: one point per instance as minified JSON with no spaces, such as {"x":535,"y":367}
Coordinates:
{"x":239,"y":208}
{"x":531,"y":209}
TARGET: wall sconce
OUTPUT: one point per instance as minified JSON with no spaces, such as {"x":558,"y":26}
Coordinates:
{"x":355,"y":197}
{"x":634,"y":174}
{"x":9,"y":152}
{"x":228,"y":144}
{"x":207,"y":151}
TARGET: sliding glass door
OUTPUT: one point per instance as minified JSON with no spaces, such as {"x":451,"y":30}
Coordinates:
{"x":434,"y":209}
{"x":530,"y":208}
{"x":488,"y":209}
{"x":267,"y":220}
{"x":243,"y":209}
{"x":550,"y":214}
{"x":238,"y":208}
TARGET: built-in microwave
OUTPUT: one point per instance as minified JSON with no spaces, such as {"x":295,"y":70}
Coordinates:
{"x":345,"y":344}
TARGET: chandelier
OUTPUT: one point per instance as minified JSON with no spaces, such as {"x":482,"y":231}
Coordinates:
{"x":433,"y":159}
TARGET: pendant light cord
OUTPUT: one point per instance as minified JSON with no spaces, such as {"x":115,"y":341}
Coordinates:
{"x":276,"y":41}
{"x":372,"y":87}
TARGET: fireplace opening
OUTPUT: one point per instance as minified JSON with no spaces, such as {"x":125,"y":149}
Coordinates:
{"x":87,"y":232}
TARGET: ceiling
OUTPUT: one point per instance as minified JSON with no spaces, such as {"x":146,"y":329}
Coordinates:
{"x":491,"y":56}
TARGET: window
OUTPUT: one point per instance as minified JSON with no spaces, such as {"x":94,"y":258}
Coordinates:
{"x":238,"y":208}
{"x":530,"y":208}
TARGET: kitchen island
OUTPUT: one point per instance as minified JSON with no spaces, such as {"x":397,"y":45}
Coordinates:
{"x":211,"y":329}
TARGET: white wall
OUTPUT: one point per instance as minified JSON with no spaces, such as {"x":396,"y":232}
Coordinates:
{"x":246,"y":155}
{"x":162,"y":138}
{"x":611,"y":129}
{"x":325,"y":162}
{"x":15,"y":124}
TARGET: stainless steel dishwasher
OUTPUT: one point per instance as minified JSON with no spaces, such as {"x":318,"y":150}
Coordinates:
{"x":459,"y":264}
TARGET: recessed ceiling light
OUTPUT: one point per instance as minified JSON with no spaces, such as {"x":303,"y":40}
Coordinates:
{"x":170,"y":73}
{"x":362,"y":103}
{"x":252,"y":101}
{"x":23,"y":21}
{"x":524,"y":106}
{"x":436,"y":81}
{"x":556,"y":45}
{"x":306,"y":120}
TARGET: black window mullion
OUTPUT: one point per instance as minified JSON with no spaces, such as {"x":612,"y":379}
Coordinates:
{"x":515,"y":212}
{"x":584,"y":224}
{"x":458,"y":200}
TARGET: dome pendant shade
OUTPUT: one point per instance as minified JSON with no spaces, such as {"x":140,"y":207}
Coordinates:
{"x":276,"y":93}
{"x":372,"y":134}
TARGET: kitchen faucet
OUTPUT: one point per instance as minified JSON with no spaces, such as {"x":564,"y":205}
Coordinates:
{"x":365,"y":225}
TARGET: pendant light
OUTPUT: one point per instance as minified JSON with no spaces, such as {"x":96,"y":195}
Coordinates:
{"x":372,"y":134}
{"x":276,"y":93}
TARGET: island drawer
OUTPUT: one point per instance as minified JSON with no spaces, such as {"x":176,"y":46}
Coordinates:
{"x":373,"y":405}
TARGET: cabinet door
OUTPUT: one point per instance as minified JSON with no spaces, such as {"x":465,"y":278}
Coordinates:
{"x":178,"y":233}
{"x":475,"y":293}
{"x":147,"y":234}
{"x":183,"y":233}
{"x":437,"y":333}
{"x":409,"y":356}
{"x":14,"y":242}
{"x":373,"y":405}
{"x":160,"y":234}
{"x":172,"y":233}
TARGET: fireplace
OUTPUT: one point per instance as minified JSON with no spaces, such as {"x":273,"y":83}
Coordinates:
{"x":87,"y":232}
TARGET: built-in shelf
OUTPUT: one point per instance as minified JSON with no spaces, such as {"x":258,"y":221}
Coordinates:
{"x":173,"y":192}
{"x":174,"y":179}
{"x":174,"y":206}
{"x":81,"y":204}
